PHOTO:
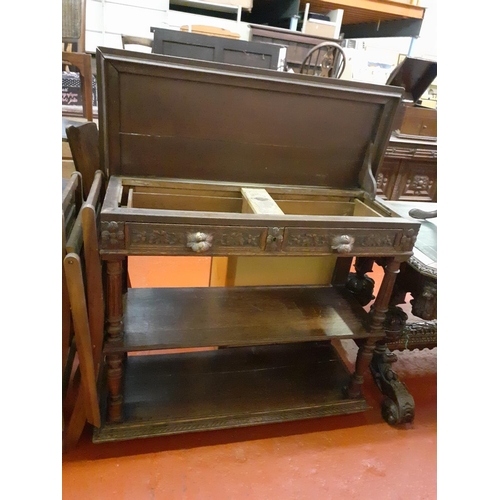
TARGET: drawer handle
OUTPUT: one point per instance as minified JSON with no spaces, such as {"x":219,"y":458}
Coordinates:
{"x":199,"y":242}
{"x":342,"y":243}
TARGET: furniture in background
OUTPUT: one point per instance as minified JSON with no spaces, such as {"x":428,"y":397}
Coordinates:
{"x":83,"y":63}
{"x":326,"y":59}
{"x":217,"y":49}
{"x":409,"y":170}
{"x":73,"y":25}
{"x":415,"y":75}
{"x":417,"y":277}
{"x":143,"y":42}
{"x":298,"y":44}
{"x":73,"y":53}
{"x":233,"y":181}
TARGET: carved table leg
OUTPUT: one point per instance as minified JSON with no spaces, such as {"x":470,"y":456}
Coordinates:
{"x":380,"y":307}
{"x":398,"y":406}
{"x":114,"y":362}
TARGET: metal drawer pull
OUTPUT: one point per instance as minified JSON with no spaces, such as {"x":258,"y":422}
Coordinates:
{"x":199,"y":242}
{"x":342,"y":243}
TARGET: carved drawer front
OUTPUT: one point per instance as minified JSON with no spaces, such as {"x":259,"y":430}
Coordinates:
{"x":342,"y":241}
{"x":195,"y":240}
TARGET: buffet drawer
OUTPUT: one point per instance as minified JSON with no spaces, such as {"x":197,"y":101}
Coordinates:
{"x":348,"y":241}
{"x":178,"y":239}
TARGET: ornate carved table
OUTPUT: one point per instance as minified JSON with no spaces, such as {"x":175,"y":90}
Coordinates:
{"x":211,"y":159}
{"x":417,"y":279}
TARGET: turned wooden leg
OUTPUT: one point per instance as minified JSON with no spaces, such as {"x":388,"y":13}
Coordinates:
{"x":114,"y":294}
{"x":115,"y":386}
{"x":114,"y":362}
{"x":398,"y":405}
{"x":380,"y":307}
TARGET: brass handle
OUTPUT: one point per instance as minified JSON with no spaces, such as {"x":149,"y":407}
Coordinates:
{"x":199,"y":242}
{"x":342,"y":243}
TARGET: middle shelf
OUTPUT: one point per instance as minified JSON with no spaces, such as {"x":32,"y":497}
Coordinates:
{"x":169,"y":318}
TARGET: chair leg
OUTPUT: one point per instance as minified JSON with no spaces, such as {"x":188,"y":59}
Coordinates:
{"x":86,"y":86}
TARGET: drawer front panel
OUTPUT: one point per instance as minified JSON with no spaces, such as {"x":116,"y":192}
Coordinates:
{"x":347,"y":241}
{"x":176,"y":239}
{"x":195,"y":240}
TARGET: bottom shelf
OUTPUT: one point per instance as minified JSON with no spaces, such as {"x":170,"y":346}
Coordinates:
{"x":231,"y":387}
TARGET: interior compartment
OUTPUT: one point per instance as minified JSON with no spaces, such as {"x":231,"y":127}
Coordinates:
{"x":238,"y":199}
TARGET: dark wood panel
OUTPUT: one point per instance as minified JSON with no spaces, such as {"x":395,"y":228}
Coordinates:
{"x":159,"y":318}
{"x":257,"y":126}
{"x":192,"y":391}
{"x":417,"y":181}
{"x":214,"y":48}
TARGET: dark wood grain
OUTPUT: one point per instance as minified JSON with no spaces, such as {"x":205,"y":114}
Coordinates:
{"x":172,"y":123}
{"x":84,"y":143}
{"x":273,"y":128}
{"x":192,"y":391}
{"x":157,"y":318}
{"x":215,"y":48}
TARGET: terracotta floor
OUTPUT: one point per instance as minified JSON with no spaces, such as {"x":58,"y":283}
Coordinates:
{"x":344,"y":457}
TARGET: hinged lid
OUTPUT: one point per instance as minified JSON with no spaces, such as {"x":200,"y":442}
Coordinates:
{"x":415,"y":75}
{"x":170,"y":117}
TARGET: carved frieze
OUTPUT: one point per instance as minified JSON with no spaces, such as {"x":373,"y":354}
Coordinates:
{"x":151,"y":236}
{"x":204,"y":240}
{"x":331,"y":240}
{"x":240,"y":239}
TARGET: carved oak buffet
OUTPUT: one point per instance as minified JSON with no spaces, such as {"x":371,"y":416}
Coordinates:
{"x":210,"y":159}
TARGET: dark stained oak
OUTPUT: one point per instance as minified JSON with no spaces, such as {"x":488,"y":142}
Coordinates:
{"x":160,"y":318}
{"x":195,"y":154}
{"x":241,"y":386}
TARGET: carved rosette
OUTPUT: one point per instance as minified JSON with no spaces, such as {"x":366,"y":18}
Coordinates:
{"x":408,"y":240}
{"x":274,"y":238}
{"x":112,"y":234}
{"x":419,"y":185}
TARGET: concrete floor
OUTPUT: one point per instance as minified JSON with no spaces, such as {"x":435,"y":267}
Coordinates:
{"x":343,"y":457}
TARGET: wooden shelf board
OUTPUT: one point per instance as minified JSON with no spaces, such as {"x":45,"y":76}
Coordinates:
{"x":368,"y":11}
{"x":234,"y":387}
{"x":169,"y":318}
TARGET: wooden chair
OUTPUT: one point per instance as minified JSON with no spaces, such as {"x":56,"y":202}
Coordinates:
{"x":73,"y":36}
{"x":73,"y":25}
{"x":326,"y":59}
{"x":83,"y":140}
{"x":83,"y":292}
{"x":128,"y":40}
